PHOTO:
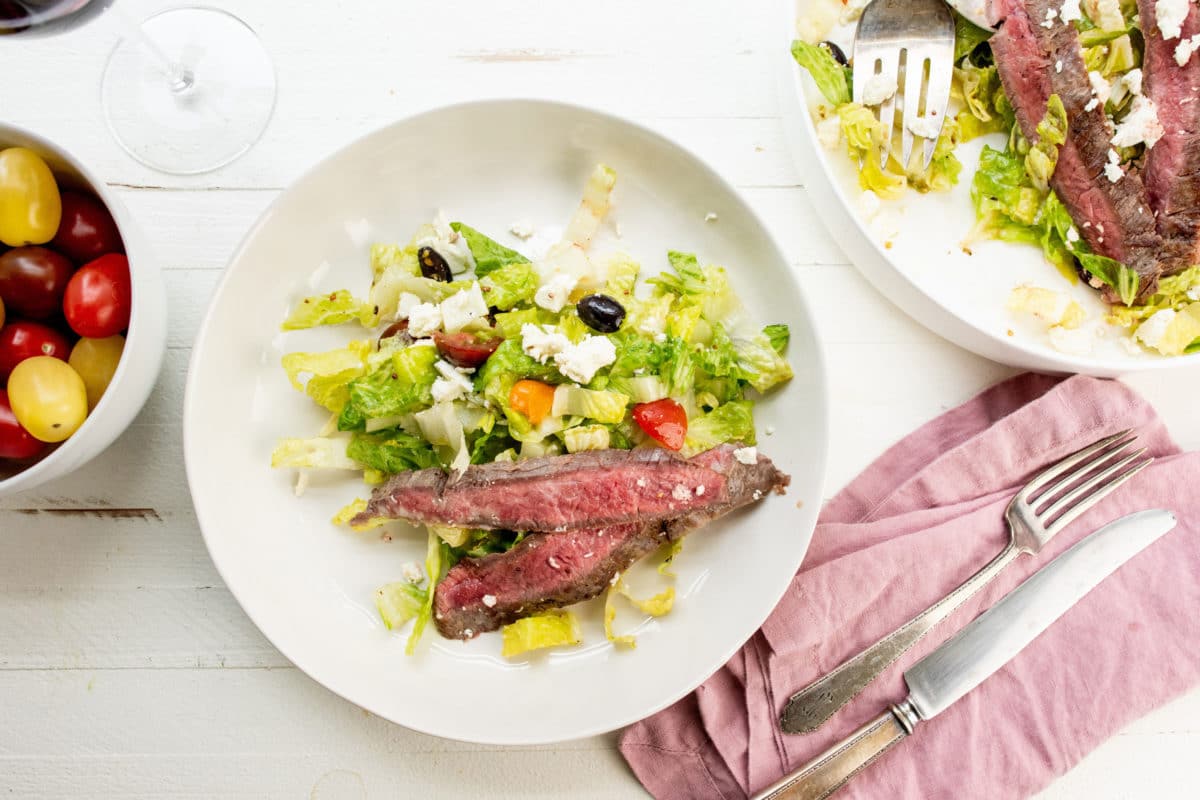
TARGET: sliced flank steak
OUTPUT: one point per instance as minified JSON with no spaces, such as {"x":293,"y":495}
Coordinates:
{"x":590,"y":489}
{"x":553,"y":570}
{"x":1036,"y":61}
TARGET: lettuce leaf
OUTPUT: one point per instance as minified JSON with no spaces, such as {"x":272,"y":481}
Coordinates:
{"x":400,"y":385}
{"x":489,"y":254}
{"x":329,"y":373}
{"x":317,"y":453}
{"x":731,"y":422}
{"x":551,"y":629}
{"x":832,"y":79}
{"x":399,"y":602}
{"x":509,"y":285}
{"x":778,"y":335}
{"x":967,"y":36}
{"x":438,"y":560}
{"x":393,"y":256}
{"x":392,"y":452}
{"x":760,"y":363}
{"x":334,"y":308}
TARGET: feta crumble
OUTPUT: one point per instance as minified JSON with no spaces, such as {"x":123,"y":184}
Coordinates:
{"x":580,"y":362}
{"x":1152,"y":331}
{"x":452,"y":385}
{"x":1070,"y":11}
{"x":424,"y":319}
{"x":1101,"y":88}
{"x":869,"y":204}
{"x":1113,"y":168}
{"x":542,"y":342}
{"x":461,"y":309}
{"x":927,"y":127}
{"x":711,"y":216}
{"x":641,"y":482}
{"x":489,"y":600}
{"x":1185,"y":49}
{"x":829,"y":132}
{"x":746,"y":455}
{"x":877,"y":89}
{"x":700,"y":490}
{"x":553,"y":562}
{"x":405,"y":304}
{"x":1051,"y":13}
{"x":1170,"y":15}
{"x":554,"y":293}
{"x":522,"y":230}
{"x":1058,"y":65}
{"x":448,"y":244}
{"x":680,"y":493}
{"x":1141,"y":124}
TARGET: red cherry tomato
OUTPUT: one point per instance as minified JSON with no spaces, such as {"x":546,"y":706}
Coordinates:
{"x":664,"y":420}
{"x":21,"y":340}
{"x":99,"y":298}
{"x":15,"y":441}
{"x":462,"y":349}
{"x":87,"y":230}
{"x":33,"y":280}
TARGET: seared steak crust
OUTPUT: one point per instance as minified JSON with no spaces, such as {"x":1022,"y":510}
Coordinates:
{"x":1034,"y":62}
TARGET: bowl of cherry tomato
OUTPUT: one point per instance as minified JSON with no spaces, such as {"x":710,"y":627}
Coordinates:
{"x":82,"y":314}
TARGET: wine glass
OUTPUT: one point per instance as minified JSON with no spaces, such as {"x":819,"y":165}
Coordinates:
{"x":187,"y":90}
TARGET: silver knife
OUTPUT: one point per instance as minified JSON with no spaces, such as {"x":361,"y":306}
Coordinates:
{"x":981,"y":648}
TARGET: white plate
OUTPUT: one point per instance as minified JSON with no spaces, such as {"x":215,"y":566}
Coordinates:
{"x":912,"y":252}
{"x":309,"y":586}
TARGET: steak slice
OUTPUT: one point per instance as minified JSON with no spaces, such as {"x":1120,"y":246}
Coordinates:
{"x":1115,"y":219}
{"x":557,"y":493}
{"x":1172,"y":171}
{"x":552,"y":570}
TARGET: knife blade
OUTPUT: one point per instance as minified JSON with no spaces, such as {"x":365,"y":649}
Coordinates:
{"x":979,"y":650}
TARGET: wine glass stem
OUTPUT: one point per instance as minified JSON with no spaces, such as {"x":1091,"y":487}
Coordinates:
{"x":179,"y":78}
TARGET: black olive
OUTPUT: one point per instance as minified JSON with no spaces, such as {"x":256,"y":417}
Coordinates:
{"x":837,"y":53}
{"x":601,"y":313}
{"x":433,"y":265}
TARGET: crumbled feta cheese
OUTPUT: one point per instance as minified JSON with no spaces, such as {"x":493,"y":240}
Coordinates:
{"x":580,"y":362}
{"x":424,"y":319}
{"x":1101,"y":88}
{"x":1141,"y":124}
{"x":1113,"y":168}
{"x":1073,"y":341}
{"x":758,"y":494}
{"x":641,"y":482}
{"x":700,"y":490}
{"x":746,"y":455}
{"x":1091,"y":104}
{"x":1185,"y":49}
{"x":489,"y":600}
{"x":1193,"y":293}
{"x":553,"y":562}
{"x":448,"y":244}
{"x":453,"y":385}
{"x":869,"y":204}
{"x":1152,"y":330}
{"x":1133,"y":81}
{"x":680,"y":493}
{"x":554,"y":293}
{"x":461,"y":309}
{"x":1170,"y":15}
{"x":542,"y":342}
{"x":405,"y":304}
{"x":769,"y":430}
{"x":829,"y":132}
{"x":852,"y":10}
{"x":927,"y":127}
{"x":1070,"y":11}
{"x":522,"y":230}
{"x":1072,"y":235}
{"x":411,"y":572}
{"x":710,"y":216}
{"x":468,"y":633}
{"x":1051,"y":13}
{"x":877,"y":89}
{"x":1058,"y":65}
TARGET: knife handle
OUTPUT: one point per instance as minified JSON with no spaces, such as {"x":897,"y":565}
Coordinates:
{"x":829,"y":771}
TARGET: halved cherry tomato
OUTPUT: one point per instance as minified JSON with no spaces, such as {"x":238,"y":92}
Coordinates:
{"x":462,"y":349}
{"x":48,"y":398}
{"x":534,"y":399}
{"x":30,"y":205}
{"x":33,"y":280}
{"x":99,"y":297}
{"x":1,"y":312}
{"x":87,"y":230}
{"x":20,"y":340}
{"x":664,"y":420}
{"x":15,"y":441}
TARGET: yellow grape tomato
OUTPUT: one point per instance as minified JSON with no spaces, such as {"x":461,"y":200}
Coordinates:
{"x":48,"y":398}
{"x":96,"y":361}
{"x":30,"y":205}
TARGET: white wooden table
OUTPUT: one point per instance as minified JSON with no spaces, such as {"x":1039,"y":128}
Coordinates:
{"x":127,"y":669}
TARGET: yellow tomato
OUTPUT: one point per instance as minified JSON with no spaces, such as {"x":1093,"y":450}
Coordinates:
{"x":48,"y":398}
{"x":30,"y":205}
{"x":96,"y":361}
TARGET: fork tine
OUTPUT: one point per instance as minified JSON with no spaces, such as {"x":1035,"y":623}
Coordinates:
{"x":914,"y":85}
{"x":1102,"y":458}
{"x":1086,"y":486}
{"x":887,"y":111}
{"x":1095,"y":497}
{"x":1069,"y":463}
{"x":937,"y":98}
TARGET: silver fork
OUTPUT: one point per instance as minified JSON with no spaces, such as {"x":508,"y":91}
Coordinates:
{"x":911,"y":40}
{"x":1046,"y":505}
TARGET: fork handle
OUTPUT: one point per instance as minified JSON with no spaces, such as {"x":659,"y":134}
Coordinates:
{"x":810,"y":707}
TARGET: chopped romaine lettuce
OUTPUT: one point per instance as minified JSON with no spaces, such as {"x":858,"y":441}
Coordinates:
{"x":551,"y":629}
{"x":392,"y":452}
{"x":967,"y":36}
{"x":602,"y":406}
{"x":832,"y":79}
{"x":760,"y":363}
{"x":586,"y":437}
{"x":438,"y":560}
{"x":330,"y":309}
{"x":318,"y":453}
{"x":621,"y":277}
{"x":778,"y":335}
{"x":329,"y":373}
{"x":389,"y":256}
{"x":489,"y":254}
{"x":731,"y":422}
{"x":509,"y":285}
{"x":399,"y":602}
{"x":399,"y":385}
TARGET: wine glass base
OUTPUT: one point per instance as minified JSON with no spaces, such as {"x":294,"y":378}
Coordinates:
{"x":191,"y":95}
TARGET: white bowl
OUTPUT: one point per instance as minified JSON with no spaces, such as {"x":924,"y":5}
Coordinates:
{"x":145,"y":341}
{"x":309,"y":586}
{"x":923,"y":268}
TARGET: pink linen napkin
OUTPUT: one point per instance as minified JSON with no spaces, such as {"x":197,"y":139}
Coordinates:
{"x":913,"y":526}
